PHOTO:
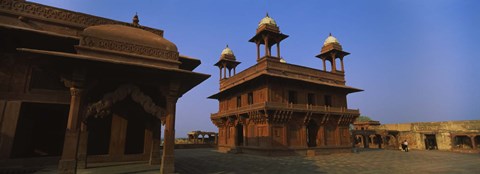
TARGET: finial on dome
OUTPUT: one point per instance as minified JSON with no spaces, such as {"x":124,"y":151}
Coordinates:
{"x":267,"y":15}
{"x":227,"y":45}
{"x":136,"y":20}
{"x":330,"y":34}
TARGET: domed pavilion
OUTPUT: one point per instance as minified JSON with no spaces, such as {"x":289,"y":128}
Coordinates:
{"x":277,"y":108}
{"x":80,"y":89}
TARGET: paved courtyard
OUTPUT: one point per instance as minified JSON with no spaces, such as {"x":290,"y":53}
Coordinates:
{"x":199,"y":161}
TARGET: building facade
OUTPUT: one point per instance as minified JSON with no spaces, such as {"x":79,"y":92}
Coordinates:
{"x":276,"y":108}
{"x":78,"y":89}
{"x":461,"y":136}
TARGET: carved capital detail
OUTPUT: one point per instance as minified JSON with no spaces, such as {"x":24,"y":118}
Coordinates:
{"x":76,"y":91}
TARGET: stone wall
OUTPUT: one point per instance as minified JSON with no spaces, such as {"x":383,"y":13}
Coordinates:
{"x":415,"y":133}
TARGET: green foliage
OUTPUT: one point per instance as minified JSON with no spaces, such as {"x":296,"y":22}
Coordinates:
{"x":363,"y":118}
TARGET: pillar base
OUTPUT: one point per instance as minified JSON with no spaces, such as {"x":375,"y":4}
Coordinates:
{"x":168,"y":165}
{"x":67,"y":167}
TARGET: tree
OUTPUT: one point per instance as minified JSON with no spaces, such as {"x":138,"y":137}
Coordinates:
{"x":363,"y":118}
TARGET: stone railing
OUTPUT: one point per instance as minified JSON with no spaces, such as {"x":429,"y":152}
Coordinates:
{"x":286,"y":106}
{"x":283,"y":69}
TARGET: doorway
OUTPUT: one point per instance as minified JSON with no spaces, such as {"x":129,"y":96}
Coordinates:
{"x":239,"y":128}
{"x":312,"y":130}
{"x":40,"y":130}
{"x":430,"y":142}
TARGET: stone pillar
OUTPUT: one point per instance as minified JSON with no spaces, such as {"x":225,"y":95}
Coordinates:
{"x":303,"y":136}
{"x":267,"y":51}
{"x":278,"y":49}
{"x":11,"y":113}
{"x":474,"y":144}
{"x":258,"y":50}
{"x":234,"y":71}
{"x":334,"y":64}
{"x":168,"y":163}
{"x":68,"y":162}
{"x":224,"y":71}
{"x":324,"y":65}
{"x":341,"y":61}
{"x":220,"y":74}
{"x":82,"y":147}
{"x":155,"y":152}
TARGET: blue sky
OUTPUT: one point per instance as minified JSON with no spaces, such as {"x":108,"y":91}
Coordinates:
{"x":416,"y":60}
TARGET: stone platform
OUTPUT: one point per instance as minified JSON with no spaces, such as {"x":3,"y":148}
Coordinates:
{"x":373,"y":161}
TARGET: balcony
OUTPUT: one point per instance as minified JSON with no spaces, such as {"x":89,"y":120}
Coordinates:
{"x":284,"y":70}
{"x":285,"y":106}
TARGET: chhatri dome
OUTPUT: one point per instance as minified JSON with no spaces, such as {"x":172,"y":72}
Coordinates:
{"x":227,"y":51}
{"x":267,"y":20}
{"x":330,"y":39}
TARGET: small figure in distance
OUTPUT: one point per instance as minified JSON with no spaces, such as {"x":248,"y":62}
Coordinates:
{"x":405,"y":146}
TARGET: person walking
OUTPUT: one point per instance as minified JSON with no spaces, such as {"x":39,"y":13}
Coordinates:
{"x":405,"y":146}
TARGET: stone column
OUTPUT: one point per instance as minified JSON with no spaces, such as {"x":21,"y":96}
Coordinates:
{"x":303,"y":136}
{"x":82,"y":147}
{"x":155,"y":152}
{"x":224,"y":71}
{"x":341,"y":61}
{"x":168,"y":163}
{"x":267,"y":52}
{"x":258,"y":50}
{"x":68,"y":162}
{"x":324,"y":65}
{"x":220,"y":74}
{"x":11,"y":113}
{"x":334,"y":66}
{"x":472,"y":138}
{"x":278,"y":49}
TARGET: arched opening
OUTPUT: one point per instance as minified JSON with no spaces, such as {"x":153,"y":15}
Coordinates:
{"x":462,"y":142}
{"x":40,"y":130}
{"x":338,"y":64}
{"x":206,"y":138}
{"x":199,"y":139}
{"x":359,"y":141}
{"x":430,"y":142}
{"x":239,"y":128}
{"x":312,"y":131}
{"x":328,"y":66}
{"x":378,"y":140}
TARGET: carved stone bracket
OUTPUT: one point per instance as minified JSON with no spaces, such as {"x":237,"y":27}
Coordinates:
{"x":257,"y":117}
{"x":103,"y":107}
{"x":308,"y":118}
{"x":281,"y":116}
{"x":218,"y":122}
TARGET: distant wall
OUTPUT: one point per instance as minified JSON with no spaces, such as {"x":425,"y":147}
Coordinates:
{"x":415,"y":133}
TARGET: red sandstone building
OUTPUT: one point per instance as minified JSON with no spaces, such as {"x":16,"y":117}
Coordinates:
{"x":78,"y":89}
{"x":274,"y":107}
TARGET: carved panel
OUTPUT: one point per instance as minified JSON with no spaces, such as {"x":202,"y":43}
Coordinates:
{"x":128,"y":48}
{"x":58,"y":14}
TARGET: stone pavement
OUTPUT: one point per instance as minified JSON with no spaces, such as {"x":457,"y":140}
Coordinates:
{"x":373,"y":161}
{"x":199,"y":161}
